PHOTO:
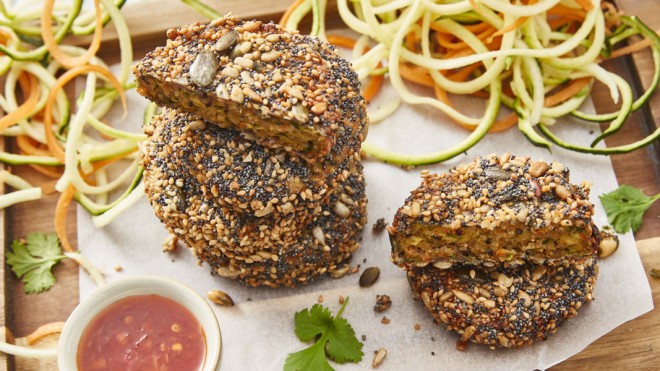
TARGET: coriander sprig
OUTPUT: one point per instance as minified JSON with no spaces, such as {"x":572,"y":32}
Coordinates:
{"x":336,"y":340}
{"x":625,"y":207}
{"x":32,"y":260}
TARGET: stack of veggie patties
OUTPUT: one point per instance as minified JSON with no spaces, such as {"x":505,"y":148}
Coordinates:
{"x":254,"y":163}
{"x":502,"y":250}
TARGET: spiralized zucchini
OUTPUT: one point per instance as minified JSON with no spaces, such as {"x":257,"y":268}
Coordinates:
{"x":538,"y":58}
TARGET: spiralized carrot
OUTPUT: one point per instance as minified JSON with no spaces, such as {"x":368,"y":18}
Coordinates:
{"x":53,"y":144}
{"x":289,"y":10}
{"x":500,"y":125}
{"x":48,"y":171}
{"x":566,"y":93}
{"x":44,"y":330}
{"x":632,"y":48}
{"x":375,"y":82}
{"x":52,"y":46}
{"x":28,"y":147}
{"x":60,"y":217}
{"x":30,"y":87}
{"x":416,"y":74}
{"x":585,"y":4}
{"x":566,"y":12}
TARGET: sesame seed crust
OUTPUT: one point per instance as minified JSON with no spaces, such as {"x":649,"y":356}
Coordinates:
{"x":496,"y":209}
{"x":325,"y":248}
{"x":504,"y":307}
{"x":288,"y":90}
{"x":218,"y":187}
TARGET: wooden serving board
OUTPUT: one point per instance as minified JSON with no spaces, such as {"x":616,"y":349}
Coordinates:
{"x":634,"y":345}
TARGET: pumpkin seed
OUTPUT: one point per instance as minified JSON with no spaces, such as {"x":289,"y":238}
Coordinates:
{"x":226,"y":41}
{"x":497,"y":173}
{"x":204,"y":68}
{"x":608,"y":245}
{"x":369,"y":276}
{"x":220,"y":298}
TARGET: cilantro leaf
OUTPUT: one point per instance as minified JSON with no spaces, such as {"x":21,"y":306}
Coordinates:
{"x":343,"y":346}
{"x":625,"y":207}
{"x":33,"y":260}
{"x":312,"y":322}
{"x":312,"y":358}
{"x":336,"y":340}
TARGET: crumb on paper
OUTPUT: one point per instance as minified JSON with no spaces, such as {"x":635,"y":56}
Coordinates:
{"x":385,"y":320}
{"x":170,"y":244}
{"x":418,"y":327}
{"x":341,"y":299}
{"x":320,"y":299}
{"x":379,"y":226}
{"x":383,"y":303}
{"x":118,"y":268}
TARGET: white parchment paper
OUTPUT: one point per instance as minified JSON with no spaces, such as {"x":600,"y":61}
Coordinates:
{"x":258,"y":333}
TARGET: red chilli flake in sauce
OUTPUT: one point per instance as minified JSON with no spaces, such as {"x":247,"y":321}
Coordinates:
{"x":143,"y":332}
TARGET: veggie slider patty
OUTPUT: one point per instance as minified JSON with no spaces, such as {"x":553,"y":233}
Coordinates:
{"x":288,"y":90}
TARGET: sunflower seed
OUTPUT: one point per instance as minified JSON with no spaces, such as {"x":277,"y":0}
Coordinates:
{"x":237,"y":94}
{"x":300,"y":113}
{"x":379,"y":357}
{"x":463,"y":297}
{"x":442,"y":265}
{"x":227,"y":273}
{"x":318,"y":234}
{"x":340,"y":272}
{"x":469,"y":332}
{"x":426,"y":299}
{"x":369,"y":276}
{"x":562,"y":192}
{"x":504,"y":281}
{"x":270,"y":56}
{"x":524,"y":296}
{"x":204,"y":68}
{"x":446,"y":296}
{"x":342,"y":210}
{"x":220,"y":298}
{"x":222,"y":92}
{"x":538,"y":272}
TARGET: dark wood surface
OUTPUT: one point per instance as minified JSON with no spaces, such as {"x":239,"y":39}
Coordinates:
{"x":634,"y":345}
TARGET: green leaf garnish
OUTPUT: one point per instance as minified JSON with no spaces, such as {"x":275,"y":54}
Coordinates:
{"x":625,"y":207}
{"x":336,"y":340}
{"x":33,"y":260}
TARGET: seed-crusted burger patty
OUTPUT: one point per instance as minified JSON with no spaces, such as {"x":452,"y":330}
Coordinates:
{"x":324,"y":248}
{"x":288,"y":90}
{"x":495,"y":210}
{"x":505,"y":307}
{"x":218,"y":187}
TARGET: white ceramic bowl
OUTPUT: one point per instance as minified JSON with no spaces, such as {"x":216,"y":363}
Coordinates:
{"x":106,"y":295}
